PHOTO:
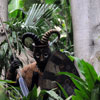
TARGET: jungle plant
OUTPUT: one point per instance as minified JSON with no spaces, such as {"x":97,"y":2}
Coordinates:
{"x":8,"y":92}
{"x":20,"y":22}
{"x":88,"y":88}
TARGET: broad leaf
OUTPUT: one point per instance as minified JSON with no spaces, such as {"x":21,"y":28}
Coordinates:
{"x":71,"y":58}
{"x":78,"y":96}
{"x":89,"y":73}
{"x":54,"y":95}
{"x":84,"y":90}
{"x":15,"y":9}
{"x":16,"y":13}
{"x":15,"y":4}
{"x":80,"y":64}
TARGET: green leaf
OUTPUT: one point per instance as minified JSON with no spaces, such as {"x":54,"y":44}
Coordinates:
{"x":84,"y":90}
{"x":41,"y":94}
{"x":78,"y":95}
{"x":11,"y":39}
{"x":14,"y":92}
{"x":91,"y":75}
{"x":62,"y":89}
{"x":6,"y":81}
{"x":76,"y":98}
{"x":79,"y":83}
{"x":5,"y":47}
{"x":14,"y":35}
{"x":2,"y":94}
{"x":16,"y":13}
{"x":33,"y":94}
{"x":54,"y":95}
{"x":50,"y":1}
{"x":88,"y":71}
{"x":95,"y":94}
{"x":15,"y":4}
{"x":15,"y":9}
{"x":71,"y":58}
{"x":80,"y":64}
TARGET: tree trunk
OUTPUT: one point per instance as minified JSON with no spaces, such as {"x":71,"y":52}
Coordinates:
{"x":3,"y":16}
{"x":86,"y":27}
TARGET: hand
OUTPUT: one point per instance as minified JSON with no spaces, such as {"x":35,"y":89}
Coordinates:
{"x":15,"y":63}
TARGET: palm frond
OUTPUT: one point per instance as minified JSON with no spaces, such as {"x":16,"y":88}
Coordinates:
{"x":37,"y":12}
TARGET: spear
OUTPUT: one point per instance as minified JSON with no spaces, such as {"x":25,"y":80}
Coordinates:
{"x":22,"y":82}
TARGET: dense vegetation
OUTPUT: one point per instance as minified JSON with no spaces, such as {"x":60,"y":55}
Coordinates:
{"x":47,"y":14}
{"x":87,"y":89}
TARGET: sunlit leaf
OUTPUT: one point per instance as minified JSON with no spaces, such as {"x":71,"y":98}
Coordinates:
{"x":15,"y":9}
{"x":78,"y":95}
{"x":85,"y":93}
{"x":6,"y":81}
{"x":88,"y":71}
{"x":54,"y":95}
{"x":15,"y":4}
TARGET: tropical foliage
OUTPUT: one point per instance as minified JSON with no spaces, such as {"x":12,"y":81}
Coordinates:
{"x":47,"y":14}
{"x":88,"y":88}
